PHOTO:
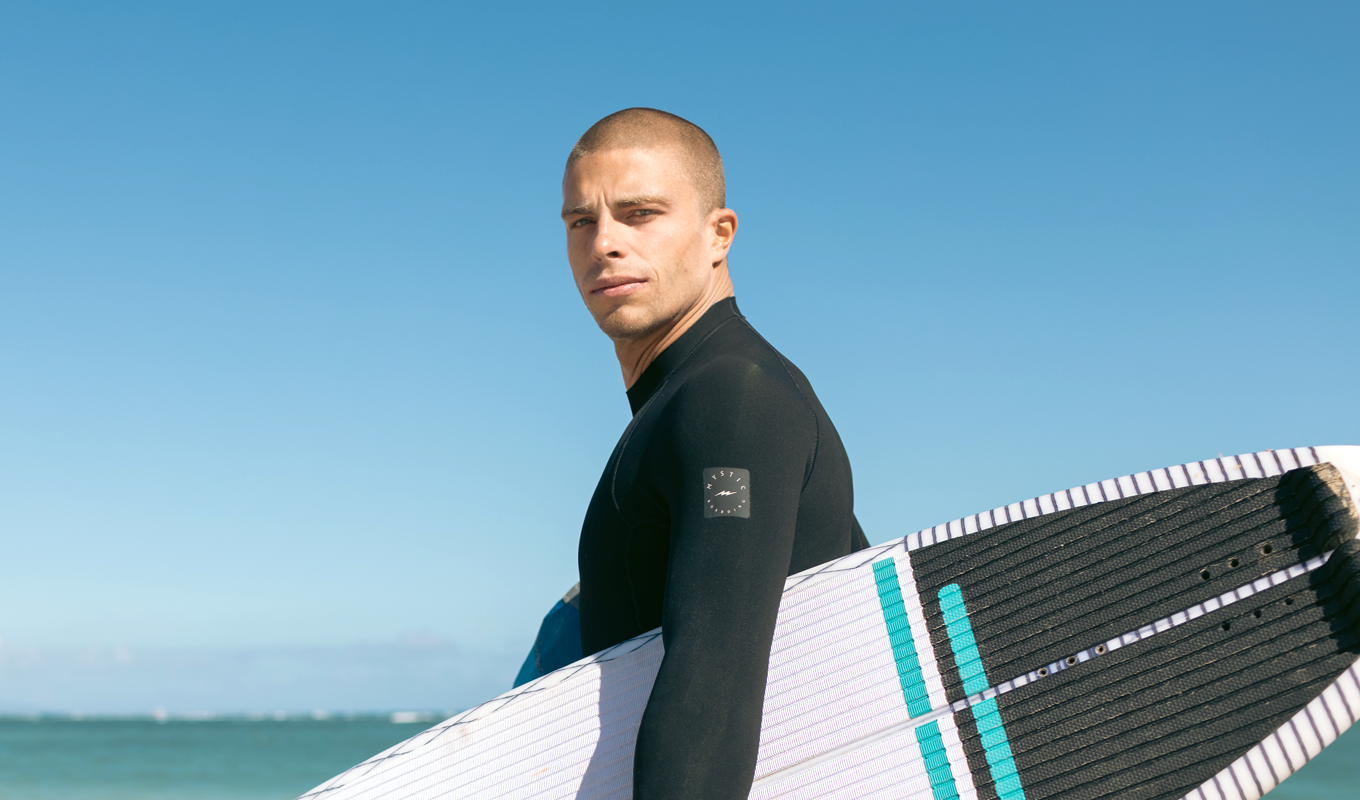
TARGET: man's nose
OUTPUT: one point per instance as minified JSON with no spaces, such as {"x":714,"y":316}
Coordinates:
{"x":608,"y":244}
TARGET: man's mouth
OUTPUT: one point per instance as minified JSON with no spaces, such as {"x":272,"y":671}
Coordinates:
{"x":617,"y":287}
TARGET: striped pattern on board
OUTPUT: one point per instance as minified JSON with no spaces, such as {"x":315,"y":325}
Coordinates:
{"x":1266,"y":765}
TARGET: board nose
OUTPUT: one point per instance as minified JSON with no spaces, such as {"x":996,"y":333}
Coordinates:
{"x":1318,"y":508}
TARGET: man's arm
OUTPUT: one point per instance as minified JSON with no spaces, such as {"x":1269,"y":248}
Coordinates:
{"x":701,"y":729}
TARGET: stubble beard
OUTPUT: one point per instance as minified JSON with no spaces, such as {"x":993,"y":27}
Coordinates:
{"x":625,"y":323}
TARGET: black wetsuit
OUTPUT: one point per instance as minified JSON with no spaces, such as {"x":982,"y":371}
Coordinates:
{"x":729,"y":478}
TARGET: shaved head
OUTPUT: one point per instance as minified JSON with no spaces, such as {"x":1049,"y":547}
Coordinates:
{"x":648,"y":129}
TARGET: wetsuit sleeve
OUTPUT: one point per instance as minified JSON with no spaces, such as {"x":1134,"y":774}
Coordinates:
{"x":725,"y":575}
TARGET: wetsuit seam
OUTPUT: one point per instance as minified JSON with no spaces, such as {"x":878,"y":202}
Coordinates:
{"x":628,"y":437}
{"x":816,"y":424}
{"x":618,"y":509}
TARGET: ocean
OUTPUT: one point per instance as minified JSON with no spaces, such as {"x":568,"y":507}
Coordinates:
{"x":54,"y":758}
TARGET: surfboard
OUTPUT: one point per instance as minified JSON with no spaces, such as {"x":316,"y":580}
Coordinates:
{"x":1188,"y":632}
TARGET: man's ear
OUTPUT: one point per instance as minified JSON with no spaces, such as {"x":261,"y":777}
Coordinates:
{"x":723,"y":223}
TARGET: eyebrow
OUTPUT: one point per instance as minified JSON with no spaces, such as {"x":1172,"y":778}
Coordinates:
{"x":631,"y":201}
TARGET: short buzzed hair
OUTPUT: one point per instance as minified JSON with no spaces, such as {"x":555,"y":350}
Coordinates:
{"x":645,"y":128}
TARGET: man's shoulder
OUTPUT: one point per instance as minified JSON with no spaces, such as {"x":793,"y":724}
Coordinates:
{"x":751,"y":384}
{"x":747,"y":372}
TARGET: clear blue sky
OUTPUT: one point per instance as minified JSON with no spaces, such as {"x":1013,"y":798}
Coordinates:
{"x":292,"y":367}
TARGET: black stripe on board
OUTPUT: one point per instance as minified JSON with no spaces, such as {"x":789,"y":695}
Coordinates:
{"x":1157,"y":718}
{"x":977,"y":757}
{"x":1040,"y":589}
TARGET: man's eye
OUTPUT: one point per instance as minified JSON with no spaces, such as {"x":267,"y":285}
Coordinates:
{"x":582,"y":221}
{"x":645,"y":212}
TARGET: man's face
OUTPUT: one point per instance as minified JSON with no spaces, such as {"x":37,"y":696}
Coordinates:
{"x":640,"y":247}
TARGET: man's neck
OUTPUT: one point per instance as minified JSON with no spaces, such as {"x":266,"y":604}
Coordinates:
{"x":635,"y":355}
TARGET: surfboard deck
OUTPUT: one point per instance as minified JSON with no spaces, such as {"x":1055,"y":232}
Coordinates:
{"x":1189,"y":632}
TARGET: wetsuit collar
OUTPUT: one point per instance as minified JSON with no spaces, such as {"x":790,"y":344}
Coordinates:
{"x":672,"y":357}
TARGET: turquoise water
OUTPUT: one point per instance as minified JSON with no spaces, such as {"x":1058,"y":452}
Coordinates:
{"x":59,"y":759}
{"x":1333,"y":774}
{"x":53,"y":759}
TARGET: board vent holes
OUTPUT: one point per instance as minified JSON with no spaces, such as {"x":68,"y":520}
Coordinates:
{"x":1256,"y":613}
{"x":1101,"y":650}
{"x":1289,"y":601}
{"x":1267,"y":549}
{"x":1071,"y":661}
{"x":1043,"y":672}
{"x":1204,"y":573}
{"x":1227,"y":626}
{"x":1233,"y":563}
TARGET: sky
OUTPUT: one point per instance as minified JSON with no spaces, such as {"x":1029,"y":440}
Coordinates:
{"x":299,"y":407}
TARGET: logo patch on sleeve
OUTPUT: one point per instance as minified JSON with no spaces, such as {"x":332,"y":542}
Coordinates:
{"x":727,"y":492}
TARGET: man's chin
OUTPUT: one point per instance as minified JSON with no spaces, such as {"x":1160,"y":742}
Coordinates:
{"x":627,"y":324}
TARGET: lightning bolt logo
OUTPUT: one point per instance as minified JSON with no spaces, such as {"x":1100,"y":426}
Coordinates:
{"x":727,"y":492}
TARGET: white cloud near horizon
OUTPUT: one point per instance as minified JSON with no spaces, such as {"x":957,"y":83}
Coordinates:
{"x":419,"y":672}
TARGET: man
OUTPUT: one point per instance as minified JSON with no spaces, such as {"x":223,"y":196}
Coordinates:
{"x":730,"y":476}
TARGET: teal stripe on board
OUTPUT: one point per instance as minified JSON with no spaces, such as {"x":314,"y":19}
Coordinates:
{"x":937,"y":763}
{"x":913,"y":682}
{"x":993,"y":734}
{"x":998,"y":750}
{"x":899,"y":635}
{"x":961,"y":640}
